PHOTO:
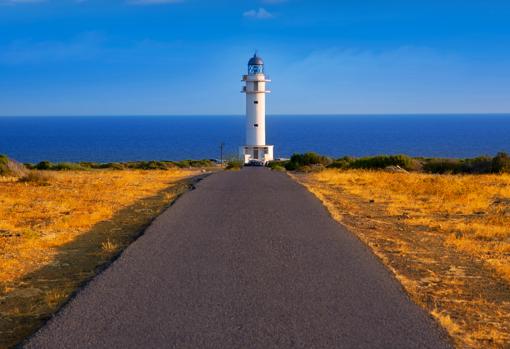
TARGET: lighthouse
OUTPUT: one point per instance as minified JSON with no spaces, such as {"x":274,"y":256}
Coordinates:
{"x":256,"y":151}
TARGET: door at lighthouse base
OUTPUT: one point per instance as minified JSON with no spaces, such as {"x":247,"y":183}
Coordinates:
{"x":256,"y":153}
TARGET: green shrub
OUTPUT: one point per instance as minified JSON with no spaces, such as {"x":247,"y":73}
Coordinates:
{"x":342,"y":163}
{"x":299,"y":161}
{"x":291,"y":166}
{"x":132,"y":165}
{"x":202,"y":163}
{"x":147,"y":165}
{"x":443,"y":166}
{"x":155,"y":165}
{"x":311,"y":168}
{"x":279,"y":168}
{"x":478,"y":165}
{"x":194,"y":163}
{"x":383,"y":161}
{"x":89,"y":165}
{"x":277,"y":165}
{"x":501,"y":163}
{"x":481,"y":164}
{"x":44,"y":165}
{"x":135,"y":165}
{"x":183,"y":163}
{"x":93,"y":165}
{"x":114,"y":166}
{"x":67,"y":166}
{"x":234,"y":164}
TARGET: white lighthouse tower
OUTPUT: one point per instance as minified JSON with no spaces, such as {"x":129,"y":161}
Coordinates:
{"x":256,"y":149}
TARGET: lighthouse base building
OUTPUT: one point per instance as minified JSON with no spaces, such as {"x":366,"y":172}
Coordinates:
{"x":256,"y":150}
{"x":263,"y":153}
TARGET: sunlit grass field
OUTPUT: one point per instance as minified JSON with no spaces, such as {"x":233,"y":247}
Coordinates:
{"x":446,"y":238}
{"x":34,"y":219}
{"x":55,"y":230}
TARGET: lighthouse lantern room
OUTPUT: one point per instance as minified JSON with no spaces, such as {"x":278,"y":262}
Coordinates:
{"x":256,"y":150}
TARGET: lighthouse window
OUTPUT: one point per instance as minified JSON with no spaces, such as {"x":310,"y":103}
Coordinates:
{"x":256,"y":102}
{"x":255,"y":69}
{"x":255,"y":125}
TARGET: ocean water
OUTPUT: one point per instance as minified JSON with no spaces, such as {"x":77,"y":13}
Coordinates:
{"x":107,"y":139}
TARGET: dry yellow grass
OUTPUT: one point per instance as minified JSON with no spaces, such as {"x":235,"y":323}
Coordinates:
{"x":53,"y":235}
{"x":37,"y":218}
{"x":446,"y":238}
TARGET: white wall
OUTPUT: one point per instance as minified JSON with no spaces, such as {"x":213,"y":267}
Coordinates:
{"x":256,"y":113}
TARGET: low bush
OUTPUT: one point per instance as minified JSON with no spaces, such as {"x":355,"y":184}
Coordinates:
{"x":279,"y":168}
{"x":194,"y":163}
{"x":43,"y":165}
{"x":277,"y":165}
{"x":67,"y":166}
{"x":443,"y":166}
{"x":343,"y":163}
{"x":305,"y":162}
{"x":93,"y":165}
{"x":61,"y":166}
{"x":383,"y":161}
{"x":155,"y":165}
{"x":482,"y":164}
{"x":478,"y":165}
{"x":37,"y":177}
{"x":234,"y":164}
{"x":11,"y":168}
{"x":310,"y":159}
{"x":501,"y":163}
{"x":311,"y":168}
{"x":134,"y":165}
{"x":113,"y":166}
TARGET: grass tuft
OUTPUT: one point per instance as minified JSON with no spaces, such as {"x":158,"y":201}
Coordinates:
{"x":54,"y":298}
{"x":109,"y":246}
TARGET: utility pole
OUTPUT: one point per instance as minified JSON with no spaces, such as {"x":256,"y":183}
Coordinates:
{"x":221,"y":153}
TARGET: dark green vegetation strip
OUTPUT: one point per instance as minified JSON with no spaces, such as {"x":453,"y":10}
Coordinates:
{"x":131,"y":165}
{"x":301,"y":162}
{"x":479,"y":165}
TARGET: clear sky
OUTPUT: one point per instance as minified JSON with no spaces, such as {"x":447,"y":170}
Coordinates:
{"x":118,"y":57}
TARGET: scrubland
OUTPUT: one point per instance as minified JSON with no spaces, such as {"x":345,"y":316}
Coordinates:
{"x":57,"y":228}
{"x":445,"y":237}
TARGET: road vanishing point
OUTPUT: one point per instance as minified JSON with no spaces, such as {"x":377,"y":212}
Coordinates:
{"x":249,"y":259}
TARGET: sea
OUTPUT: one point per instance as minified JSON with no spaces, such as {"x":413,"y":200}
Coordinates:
{"x":130,"y":138}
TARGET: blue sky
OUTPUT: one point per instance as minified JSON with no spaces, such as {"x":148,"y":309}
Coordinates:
{"x":118,"y":57}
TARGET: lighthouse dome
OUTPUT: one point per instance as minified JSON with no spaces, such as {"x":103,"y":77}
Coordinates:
{"x":255,"y":65}
{"x":255,"y":60}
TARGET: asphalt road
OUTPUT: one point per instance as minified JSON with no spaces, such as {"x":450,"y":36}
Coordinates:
{"x":249,"y":259}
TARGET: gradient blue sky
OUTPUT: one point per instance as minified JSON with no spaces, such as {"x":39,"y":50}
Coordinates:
{"x":118,"y":57}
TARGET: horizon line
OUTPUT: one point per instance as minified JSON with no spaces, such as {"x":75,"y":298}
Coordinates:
{"x":276,"y":114}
